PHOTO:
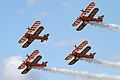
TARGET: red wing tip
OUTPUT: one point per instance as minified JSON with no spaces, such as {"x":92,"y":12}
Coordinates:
{"x":24,"y":46}
{"x":92,"y":2}
{"x":85,"y":41}
{"x":78,"y":29}
{"x":66,"y":59}
{"x":69,"y":64}
{"x":37,"y":50}
{"x":41,"y":27}
{"x":19,"y":68}
{"x":37,"y":21}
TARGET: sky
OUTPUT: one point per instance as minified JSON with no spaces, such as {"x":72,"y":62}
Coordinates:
{"x":57,"y":17}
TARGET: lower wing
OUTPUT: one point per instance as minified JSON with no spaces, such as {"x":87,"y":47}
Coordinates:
{"x":81,"y":26}
{"x":92,"y":14}
{"x":69,"y":57}
{"x":39,"y":30}
{"x":28,"y":42}
{"x":74,"y":61}
{"x":26,"y":70}
{"x":77,"y":22}
{"x":85,"y":50}
{"x":36,"y":60}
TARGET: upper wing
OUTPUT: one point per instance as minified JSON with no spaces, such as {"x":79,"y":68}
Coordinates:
{"x":22,"y":66}
{"x":87,"y":10}
{"x":26,"y":70}
{"x":85,"y":50}
{"x":77,"y":22}
{"x":84,"y":43}
{"x":36,"y":60}
{"x":92,"y":14}
{"x":81,"y":26}
{"x":33,"y":28}
{"x":32,"y":55}
{"x":69,"y":57}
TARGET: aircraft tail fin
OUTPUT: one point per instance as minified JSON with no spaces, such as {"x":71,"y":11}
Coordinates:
{"x":44,"y":63}
{"x":45,"y":37}
{"x":101,"y":17}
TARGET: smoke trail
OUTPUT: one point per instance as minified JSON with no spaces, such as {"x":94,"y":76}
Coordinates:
{"x":104,"y":25}
{"x":107,"y":63}
{"x":83,"y":74}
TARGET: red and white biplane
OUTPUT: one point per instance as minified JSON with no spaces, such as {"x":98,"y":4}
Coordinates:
{"x":29,"y":65}
{"x":82,"y":55}
{"x":88,"y":18}
{"x":32,"y":37}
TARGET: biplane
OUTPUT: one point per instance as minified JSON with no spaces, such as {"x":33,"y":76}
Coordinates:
{"x":29,"y":65}
{"x":88,"y":18}
{"x":32,"y":37}
{"x":82,"y":55}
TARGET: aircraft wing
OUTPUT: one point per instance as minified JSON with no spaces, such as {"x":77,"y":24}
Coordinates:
{"x":32,"y":55}
{"x":77,"y":22}
{"x":22,"y":66}
{"x":28,"y":43}
{"x":81,"y":26}
{"x":36,"y":60}
{"x":87,"y":10}
{"x":33,"y":28}
{"x":39,"y":30}
{"x":81,"y":46}
{"x":85,"y":50}
{"x":92,"y":14}
{"x":69,"y":57}
{"x":74,"y":61}
{"x":26,"y":70}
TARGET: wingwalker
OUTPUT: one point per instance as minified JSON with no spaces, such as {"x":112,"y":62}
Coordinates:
{"x":32,"y":37}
